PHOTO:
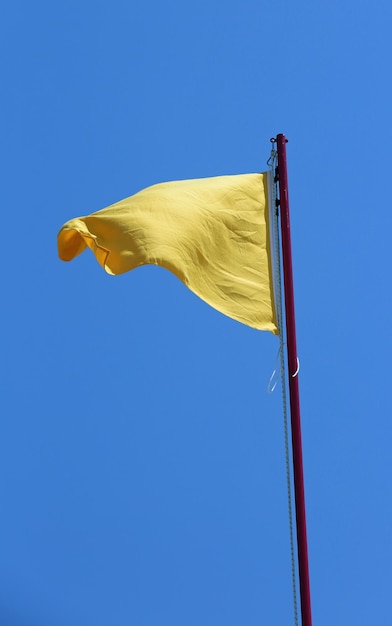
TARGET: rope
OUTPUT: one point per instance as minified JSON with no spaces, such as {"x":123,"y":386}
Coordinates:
{"x":272,"y":162}
{"x":273,"y":381}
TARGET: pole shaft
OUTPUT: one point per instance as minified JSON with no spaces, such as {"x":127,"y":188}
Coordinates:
{"x":292,"y":359}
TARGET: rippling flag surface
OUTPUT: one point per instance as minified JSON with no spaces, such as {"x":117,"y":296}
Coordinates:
{"x":212,"y":233}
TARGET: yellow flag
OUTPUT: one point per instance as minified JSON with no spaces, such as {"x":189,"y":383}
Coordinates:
{"x":212,"y":233}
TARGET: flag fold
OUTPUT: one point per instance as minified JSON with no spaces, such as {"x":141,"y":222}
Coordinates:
{"x":212,"y":233}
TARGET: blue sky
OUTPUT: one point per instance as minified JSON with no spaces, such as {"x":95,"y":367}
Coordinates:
{"x":142,"y":471}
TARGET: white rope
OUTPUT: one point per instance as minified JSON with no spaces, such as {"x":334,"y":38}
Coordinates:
{"x":273,"y":381}
{"x":272,"y":162}
{"x":297,"y":370}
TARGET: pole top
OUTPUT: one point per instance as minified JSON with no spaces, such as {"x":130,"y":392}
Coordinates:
{"x":278,"y":137}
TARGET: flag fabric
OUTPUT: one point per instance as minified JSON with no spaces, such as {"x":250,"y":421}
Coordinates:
{"x":212,"y":233}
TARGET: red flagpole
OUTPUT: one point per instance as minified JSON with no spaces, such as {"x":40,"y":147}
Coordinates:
{"x":292,"y":359}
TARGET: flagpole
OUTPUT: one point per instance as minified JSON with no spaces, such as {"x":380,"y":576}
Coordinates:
{"x":293,"y":365}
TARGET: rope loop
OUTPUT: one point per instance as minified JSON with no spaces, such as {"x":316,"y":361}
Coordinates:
{"x":274,"y":378}
{"x":297,"y":370}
